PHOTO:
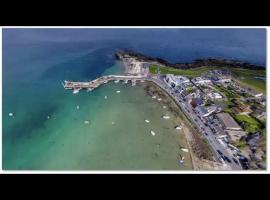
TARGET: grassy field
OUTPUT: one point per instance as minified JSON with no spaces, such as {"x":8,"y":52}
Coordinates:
{"x":228,"y":93}
{"x":244,"y":76}
{"x":185,"y":72}
{"x":250,"y":124}
{"x":247,"y":77}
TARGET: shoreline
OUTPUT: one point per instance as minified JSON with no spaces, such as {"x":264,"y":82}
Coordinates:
{"x":199,"y":159}
{"x":196,"y":63}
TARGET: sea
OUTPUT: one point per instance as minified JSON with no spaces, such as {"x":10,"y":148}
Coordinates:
{"x":54,"y":129}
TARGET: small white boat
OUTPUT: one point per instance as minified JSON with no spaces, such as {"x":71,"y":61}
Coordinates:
{"x":113,"y":123}
{"x":153,"y":97}
{"x":147,"y":121}
{"x":10,"y":114}
{"x":159,"y":99}
{"x":164,"y":106}
{"x":116,"y":81}
{"x":118,"y":91}
{"x":185,"y":150}
{"x":75,"y":91}
{"x":48,"y":117}
{"x":178,"y":127}
{"x":105,"y":97}
{"x":78,"y":107}
{"x":86,"y":122}
{"x":89,"y":89}
{"x":153,"y":133}
{"x":166,"y":117}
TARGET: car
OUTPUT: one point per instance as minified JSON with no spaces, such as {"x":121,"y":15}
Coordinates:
{"x":205,"y":124}
{"x":235,"y":161}
{"x":195,"y":120}
{"x":219,"y":152}
{"x":227,"y":159}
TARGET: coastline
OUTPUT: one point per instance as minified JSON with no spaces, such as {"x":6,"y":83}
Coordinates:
{"x":201,"y":156}
{"x":196,"y":63}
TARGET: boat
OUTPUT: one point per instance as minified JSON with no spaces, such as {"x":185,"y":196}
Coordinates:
{"x":153,"y":133}
{"x":86,"y":122}
{"x":89,"y":89}
{"x":159,"y":99}
{"x":166,"y":117}
{"x":105,"y":97}
{"x":48,"y":117}
{"x":112,"y":123}
{"x":118,"y":91}
{"x":153,"y":97}
{"x":164,"y":106}
{"x":147,"y":121}
{"x":185,"y":150}
{"x":178,"y":127}
{"x":78,"y":107}
{"x":75,"y":91}
{"x":10,"y":114}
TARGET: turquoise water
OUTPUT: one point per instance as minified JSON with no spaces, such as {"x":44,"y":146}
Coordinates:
{"x":116,"y":138}
{"x":35,"y":61}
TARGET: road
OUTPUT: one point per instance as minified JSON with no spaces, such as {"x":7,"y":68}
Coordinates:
{"x":209,"y":135}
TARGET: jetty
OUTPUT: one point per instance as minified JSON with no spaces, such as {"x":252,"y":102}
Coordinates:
{"x":90,"y":85}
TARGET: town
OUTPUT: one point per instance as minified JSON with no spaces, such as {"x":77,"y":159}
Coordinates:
{"x":231,"y":117}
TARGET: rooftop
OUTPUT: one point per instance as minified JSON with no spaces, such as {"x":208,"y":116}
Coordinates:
{"x":228,"y":121}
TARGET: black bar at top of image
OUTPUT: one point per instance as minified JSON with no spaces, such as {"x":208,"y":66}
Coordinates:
{"x":137,"y":14}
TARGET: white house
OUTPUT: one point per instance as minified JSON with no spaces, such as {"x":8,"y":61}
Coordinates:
{"x":175,"y":80}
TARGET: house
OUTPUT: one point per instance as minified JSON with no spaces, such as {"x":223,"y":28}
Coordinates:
{"x":205,"y":111}
{"x":200,"y":80}
{"x":174,"y":81}
{"x":234,"y":135}
{"x":243,"y":110}
{"x":228,"y":122}
{"x":196,"y":102}
{"x":215,"y":95}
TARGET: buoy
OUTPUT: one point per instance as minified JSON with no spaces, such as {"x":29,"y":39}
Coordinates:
{"x":10,"y":114}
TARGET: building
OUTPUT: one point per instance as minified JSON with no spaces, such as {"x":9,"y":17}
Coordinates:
{"x":215,"y":95}
{"x":243,"y":110}
{"x":205,"y":111}
{"x":235,"y":136}
{"x":174,"y":81}
{"x":196,"y":102}
{"x":200,"y":80}
{"x":228,"y":122}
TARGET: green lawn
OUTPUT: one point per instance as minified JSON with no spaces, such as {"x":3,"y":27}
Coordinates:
{"x":250,"y":124}
{"x":247,"y":77}
{"x":185,"y":72}
{"x":228,"y":93}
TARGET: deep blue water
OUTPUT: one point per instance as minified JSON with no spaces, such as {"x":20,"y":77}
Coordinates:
{"x":36,"y":60}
